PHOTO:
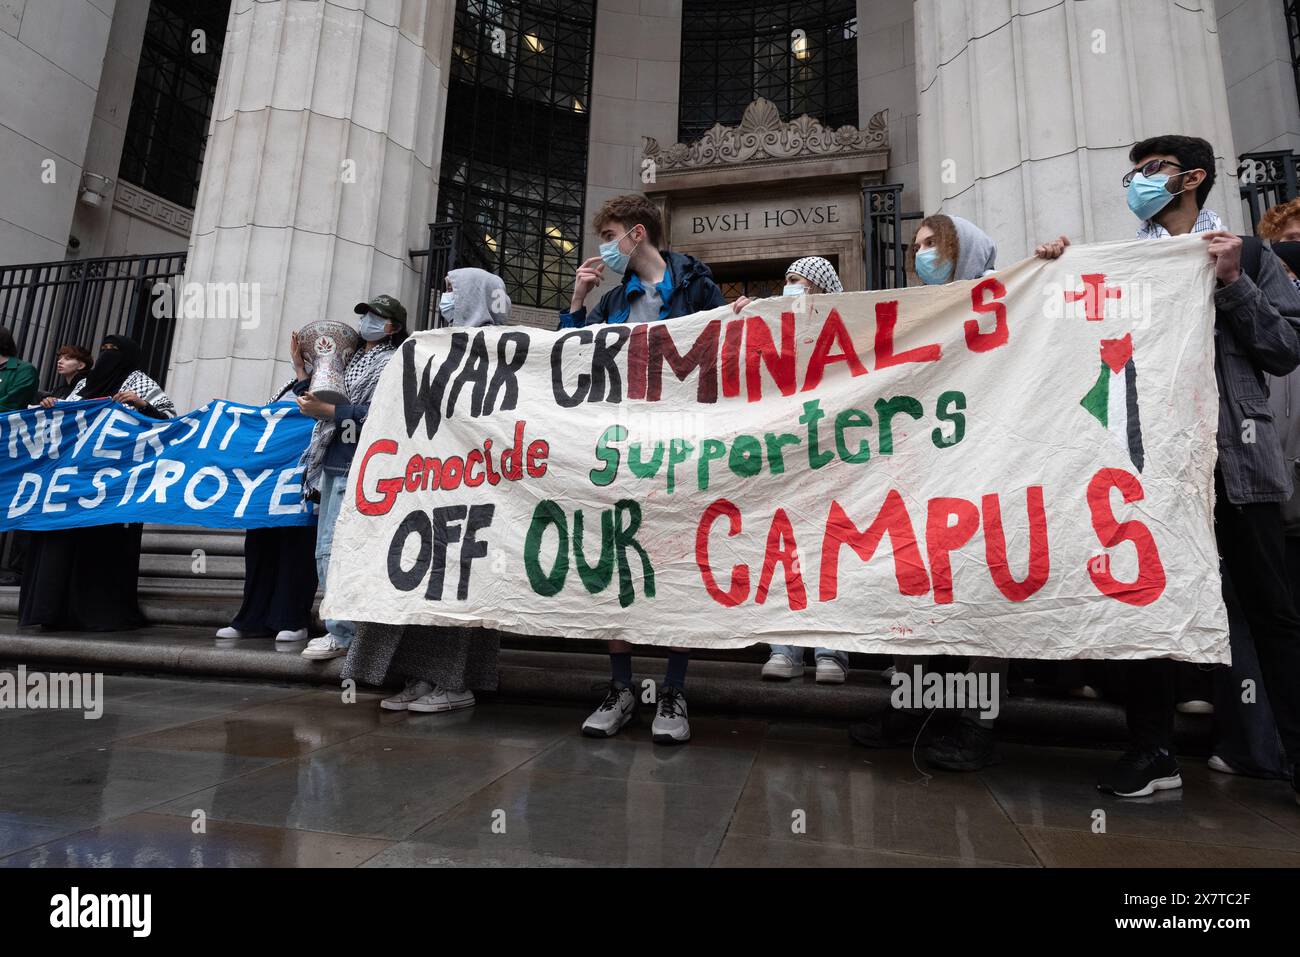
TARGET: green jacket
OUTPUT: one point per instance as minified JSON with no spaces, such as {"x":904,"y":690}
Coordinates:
{"x":17,"y":384}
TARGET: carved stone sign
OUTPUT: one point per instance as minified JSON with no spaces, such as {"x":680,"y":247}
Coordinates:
{"x":760,"y":217}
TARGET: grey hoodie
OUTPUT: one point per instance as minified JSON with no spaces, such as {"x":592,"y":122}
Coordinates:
{"x":481,"y":298}
{"x":976,"y":252}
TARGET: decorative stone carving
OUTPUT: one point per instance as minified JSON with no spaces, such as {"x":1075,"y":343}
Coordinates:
{"x":143,"y":204}
{"x":763,"y":137}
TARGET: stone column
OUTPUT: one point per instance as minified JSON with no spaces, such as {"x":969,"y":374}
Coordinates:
{"x":1028,"y":109}
{"x":320,"y":176}
{"x":634,"y":89}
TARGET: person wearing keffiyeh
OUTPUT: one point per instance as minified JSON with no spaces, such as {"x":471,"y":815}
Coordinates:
{"x":329,"y":456}
{"x":87,"y":579}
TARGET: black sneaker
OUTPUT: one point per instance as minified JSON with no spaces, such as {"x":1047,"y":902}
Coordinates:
{"x":969,"y":748}
{"x":1139,"y":773}
{"x":892,"y":728}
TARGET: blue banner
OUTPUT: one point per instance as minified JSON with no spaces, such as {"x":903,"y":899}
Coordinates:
{"x":225,"y":465}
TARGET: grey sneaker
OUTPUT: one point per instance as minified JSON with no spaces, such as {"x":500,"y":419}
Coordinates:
{"x":779,"y":667}
{"x":670,"y":724}
{"x":415,"y":688}
{"x":830,"y":672}
{"x":614,"y":712}
{"x":440,"y":699}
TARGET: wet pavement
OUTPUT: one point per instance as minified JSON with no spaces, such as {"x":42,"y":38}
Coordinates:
{"x":191,"y":772}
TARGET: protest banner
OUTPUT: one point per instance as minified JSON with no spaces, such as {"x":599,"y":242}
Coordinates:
{"x":225,"y":465}
{"x":1020,"y":466}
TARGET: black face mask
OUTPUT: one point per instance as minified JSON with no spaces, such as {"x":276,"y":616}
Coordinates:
{"x":1289,"y":253}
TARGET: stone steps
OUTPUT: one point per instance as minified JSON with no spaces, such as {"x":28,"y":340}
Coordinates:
{"x":720,"y":686}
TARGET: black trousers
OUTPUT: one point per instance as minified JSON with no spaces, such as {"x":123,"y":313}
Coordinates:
{"x":1253,"y":548}
{"x":279,"y":579}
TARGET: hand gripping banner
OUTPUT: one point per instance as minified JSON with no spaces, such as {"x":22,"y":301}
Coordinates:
{"x":1020,"y":466}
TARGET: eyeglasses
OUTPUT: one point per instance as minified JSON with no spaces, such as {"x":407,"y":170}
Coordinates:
{"x":1150,"y":169}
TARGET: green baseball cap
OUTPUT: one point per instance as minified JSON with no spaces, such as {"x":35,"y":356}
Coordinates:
{"x":385,"y":306}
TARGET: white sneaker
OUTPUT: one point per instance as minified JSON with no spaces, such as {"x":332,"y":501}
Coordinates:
{"x":324,"y":648}
{"x":415,"y":688}
{"x":780,"y":667}
{"x":299,"y":635}
{"x":229,"y":632}
{"x":830,"y":672}
{"x":614,"y":712}
{"x":440,"y":699}
{"x":1217,"y":763}
{"x":671,"y":725}
{"x":1194,"y":707}
{"x":1087,"y":692}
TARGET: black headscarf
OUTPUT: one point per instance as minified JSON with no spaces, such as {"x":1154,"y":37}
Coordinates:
{"x":112,"y":368}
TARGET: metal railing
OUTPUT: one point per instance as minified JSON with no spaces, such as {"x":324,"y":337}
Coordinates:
{"x":78,"y":302}
{"x":882,"y":235}
{"x":451,"y":245}
{"x":1267,"y":180}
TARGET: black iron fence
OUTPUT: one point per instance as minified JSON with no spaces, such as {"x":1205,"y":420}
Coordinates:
{"x":1267,"y":179}
{"x":78,"y":302}
{"x":451,"y":246}
{"x":883,"y":236}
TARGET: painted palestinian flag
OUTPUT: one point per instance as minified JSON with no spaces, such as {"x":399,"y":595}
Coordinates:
{"x":1113,"y":401}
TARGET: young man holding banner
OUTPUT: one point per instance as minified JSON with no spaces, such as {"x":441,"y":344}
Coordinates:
{"x":655,"y":285}
{"x":1257,"y":330}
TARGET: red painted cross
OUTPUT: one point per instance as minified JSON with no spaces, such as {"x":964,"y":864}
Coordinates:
{"x":1094,"y":296}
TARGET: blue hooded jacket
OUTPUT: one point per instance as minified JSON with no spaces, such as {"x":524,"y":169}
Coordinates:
{"x":693,"y":291}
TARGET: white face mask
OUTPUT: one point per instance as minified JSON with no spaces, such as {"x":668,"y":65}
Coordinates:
{"x":795,"y":289}
{"x":371,"y":327}
{"x":447,"y":305}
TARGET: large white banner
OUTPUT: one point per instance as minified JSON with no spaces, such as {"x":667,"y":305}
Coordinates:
{"x":1020,"y":466}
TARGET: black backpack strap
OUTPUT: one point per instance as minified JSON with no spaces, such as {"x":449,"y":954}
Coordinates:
{"x":1252,"y":257}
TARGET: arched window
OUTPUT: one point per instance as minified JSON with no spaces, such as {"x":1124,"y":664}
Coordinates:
{"x":800,"y":54}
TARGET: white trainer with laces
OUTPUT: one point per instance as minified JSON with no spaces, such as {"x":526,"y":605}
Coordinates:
{"x":299,"y":635}
{"x":415,"y":688}
{"x":438,"y":700}
{"x":671,"y":725}
{"x":324,"y":648}
{"x":615,"y":711}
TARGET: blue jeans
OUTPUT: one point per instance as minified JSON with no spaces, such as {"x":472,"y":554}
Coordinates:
{"x":332,"y":490}
{"x":795,"y":654}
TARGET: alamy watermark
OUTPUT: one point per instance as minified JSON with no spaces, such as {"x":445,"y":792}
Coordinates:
{"x":971,"y":691}
{"x":37,"y":691}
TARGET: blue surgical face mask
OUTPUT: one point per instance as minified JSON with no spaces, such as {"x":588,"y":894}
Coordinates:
{"x":615,"y":258}
{"x":447,"y":305}
{"x":930,"y":269}
{"x":371,"y":327}
{"x":1147,"y":196}
{"x":795,"y":289}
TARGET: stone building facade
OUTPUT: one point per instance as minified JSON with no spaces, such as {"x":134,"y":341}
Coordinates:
{"x":309,"y":144}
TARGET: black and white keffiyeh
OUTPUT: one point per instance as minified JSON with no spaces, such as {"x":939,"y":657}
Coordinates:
{"x":143,"y":386}
{"x":359,"y":378}
{"x":817,"y":271}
